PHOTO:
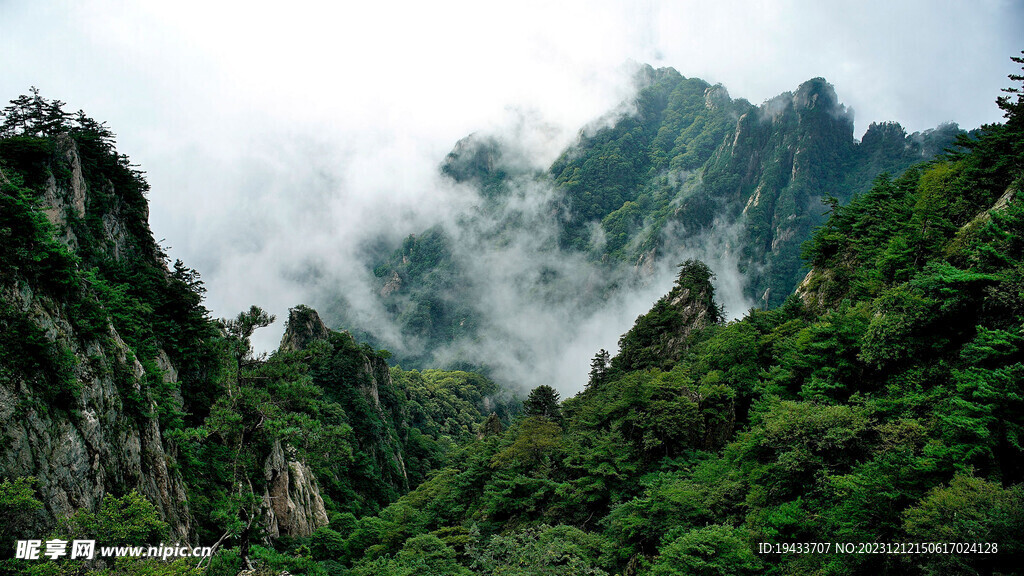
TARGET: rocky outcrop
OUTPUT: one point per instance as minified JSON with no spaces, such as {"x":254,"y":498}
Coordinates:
{"x":66,"y":200}
{"x":97,"y":444}
{"x":1001,"y":203}
{"x":291,"y":501}
{"x":785,"y":157}
{"x":716,"y":97}
{"x":392,"y":285}
{"x":304,"y":327}
{"x":371,"y":375}
{"x":659,"y":338}
{"x":80,"y":417}
{"x":61,"y":202}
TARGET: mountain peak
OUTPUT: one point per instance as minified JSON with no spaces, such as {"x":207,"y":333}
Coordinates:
{"x":304,"y":326}
{"x":659,"y":338}
{"x":818,"y":94}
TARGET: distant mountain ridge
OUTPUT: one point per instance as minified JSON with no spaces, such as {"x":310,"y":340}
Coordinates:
{"x":688,"y":171}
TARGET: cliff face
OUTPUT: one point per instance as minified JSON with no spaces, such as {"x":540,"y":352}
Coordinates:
{"x":291,"y":501}
{"x":114,"y":379}
{"x":304,"y":327}
{"x":387,"y":449}
{"x":784,"y":157}
{"x":78,"y":407}
{"x":94,"y":445}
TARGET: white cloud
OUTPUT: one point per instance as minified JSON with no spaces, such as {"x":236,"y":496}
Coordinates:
{"x":276,"y":133}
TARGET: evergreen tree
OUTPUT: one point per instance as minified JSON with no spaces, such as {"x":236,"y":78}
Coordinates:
{"x":242,"y":326}
{"x":543,"y":402}
{"x":599,"y":367}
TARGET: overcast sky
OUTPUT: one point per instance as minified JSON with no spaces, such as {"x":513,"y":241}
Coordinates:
{"x":275,"y":133}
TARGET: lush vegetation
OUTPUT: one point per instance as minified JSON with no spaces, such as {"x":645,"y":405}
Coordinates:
{"x":880,"y":403}
{"x":883,"y":403}
{"x":620,"y":175}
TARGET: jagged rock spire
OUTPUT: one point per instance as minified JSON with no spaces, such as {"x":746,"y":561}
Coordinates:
{"x":304,"y":327}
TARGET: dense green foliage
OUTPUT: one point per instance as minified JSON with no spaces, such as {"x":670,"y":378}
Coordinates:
{"x":123,"y":521}
{"x":881,"y":403}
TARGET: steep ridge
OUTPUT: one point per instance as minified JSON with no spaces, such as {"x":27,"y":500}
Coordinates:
{"x":83,"y":401}
{"x":686,"y":170}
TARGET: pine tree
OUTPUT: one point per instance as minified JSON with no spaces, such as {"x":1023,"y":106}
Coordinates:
{"x":599,"y":367}
{"x":543,"y":402}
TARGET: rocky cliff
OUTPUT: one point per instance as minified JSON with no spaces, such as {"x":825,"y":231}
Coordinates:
{"x":785,"y":160}
{"x":784,"y":157}
{"x":81,"y":399}
{"x":303,"y":327}
{"x":292,"y":502}
{"x":114,"y":380}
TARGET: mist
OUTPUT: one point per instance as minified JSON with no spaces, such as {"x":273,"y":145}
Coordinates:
{"x":281,"y":143}
{"x":543,"y":312}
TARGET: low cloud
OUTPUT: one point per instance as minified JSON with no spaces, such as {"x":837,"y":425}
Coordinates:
{"x":282,"y":143}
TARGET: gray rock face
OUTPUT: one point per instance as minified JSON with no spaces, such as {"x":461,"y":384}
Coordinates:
{"x":96,"y":445}
{"x":61,"y":202}
{"x":304,"y":326}
{"x":695,"y":314}
{"x":292,"y":505}
{"x":103,"y":437}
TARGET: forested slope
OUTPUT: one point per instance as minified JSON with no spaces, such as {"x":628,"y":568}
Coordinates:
{"x":129,"y":416}
{"x":881,"y":403}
